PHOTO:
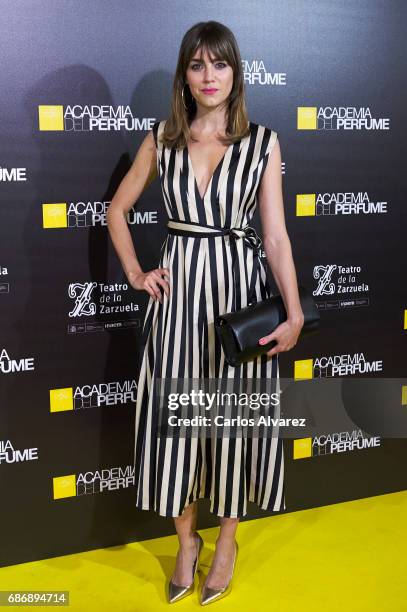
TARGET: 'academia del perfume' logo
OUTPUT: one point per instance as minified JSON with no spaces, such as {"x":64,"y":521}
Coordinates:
{"x":338,"y":442}
{"x":88,"y":214}
{"x":335,"y":365}
{"x":13,"y":175}
{"x":255,"y":73}
{"x":8,"y":365}
{"x":89,"y":483}
{"x":78,"y":118}
{"x":329,"y":204}
{"x":339,"y":118}
{"x":8,"y":454}
{"x":92,"y":395}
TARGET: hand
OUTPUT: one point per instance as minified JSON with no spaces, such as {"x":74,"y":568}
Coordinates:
{"x":151,"y":282}
{"x":286,"y":334}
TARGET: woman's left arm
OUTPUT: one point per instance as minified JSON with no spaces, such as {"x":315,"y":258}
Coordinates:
{"x":277,"y":247}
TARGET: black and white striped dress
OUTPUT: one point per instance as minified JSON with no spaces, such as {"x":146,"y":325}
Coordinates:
{"x":181,"y":341}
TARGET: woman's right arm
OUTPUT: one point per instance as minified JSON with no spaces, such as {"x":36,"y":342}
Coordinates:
{"x":142,"y":172}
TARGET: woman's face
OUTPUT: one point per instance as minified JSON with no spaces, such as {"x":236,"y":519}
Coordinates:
{"x":210,"y":82}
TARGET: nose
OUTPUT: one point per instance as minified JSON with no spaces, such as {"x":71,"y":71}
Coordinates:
{"x":208,"y":74}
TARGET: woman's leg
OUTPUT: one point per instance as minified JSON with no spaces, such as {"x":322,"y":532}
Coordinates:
{"x":188,"y":545}
{"x":222,"y":563}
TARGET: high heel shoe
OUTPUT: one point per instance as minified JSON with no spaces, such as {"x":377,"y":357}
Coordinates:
{"x":208,"y":595}
{"x":177,"y":591}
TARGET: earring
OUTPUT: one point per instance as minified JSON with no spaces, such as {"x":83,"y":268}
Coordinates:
{"x":183,"y":98}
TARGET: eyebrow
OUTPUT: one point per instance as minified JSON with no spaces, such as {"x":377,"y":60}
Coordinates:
{"x":196,"y":59}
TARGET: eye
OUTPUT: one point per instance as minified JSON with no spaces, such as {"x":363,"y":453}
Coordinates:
{"x":195,"y":66}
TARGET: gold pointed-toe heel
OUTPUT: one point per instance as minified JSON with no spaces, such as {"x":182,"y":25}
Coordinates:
{"x":177,"y":591}
{"x":209,"y":595}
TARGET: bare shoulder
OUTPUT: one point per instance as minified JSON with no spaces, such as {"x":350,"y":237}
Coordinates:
{"x":147,"y":149}
{"x":144,"y":166}
{"x":150,"y":139}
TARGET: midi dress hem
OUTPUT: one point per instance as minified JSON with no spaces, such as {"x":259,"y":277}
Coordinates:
{"x":282,"y":508}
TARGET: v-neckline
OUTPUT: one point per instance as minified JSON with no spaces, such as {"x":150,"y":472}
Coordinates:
{"x":202,"y":197}
{"x":216,"y":169}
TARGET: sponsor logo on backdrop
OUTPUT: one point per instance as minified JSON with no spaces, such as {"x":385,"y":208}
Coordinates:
{"x":9,"y":454}
{"x":324,"y":204}
{"x":339,"y":118}
{"x":93,"y":118}
{"x":256,"y":73}
{"x":4,"y":286}
{"x":92,"y":395}
{"x":107,"y":299}
{"x":88,"y":214}
{"x":343,"y":283}
{"x":13,"y":175}
{"x":10,"y":365}
{"x":335,"y":365}
{"x":339,"y":442}
{"x":104,"y":300}
{"x":89,"y":483}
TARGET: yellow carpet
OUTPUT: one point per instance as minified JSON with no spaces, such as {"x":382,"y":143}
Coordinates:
{"x":343,"y":557}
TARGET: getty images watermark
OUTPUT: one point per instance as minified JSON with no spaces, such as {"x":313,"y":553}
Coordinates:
{"x":189,"y":407}
{"x":282,"y":407}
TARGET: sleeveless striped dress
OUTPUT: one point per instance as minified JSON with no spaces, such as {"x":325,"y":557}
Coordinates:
{"x":180,"y":340}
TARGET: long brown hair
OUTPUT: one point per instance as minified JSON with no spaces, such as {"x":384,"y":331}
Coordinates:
{"x":220,"y":43}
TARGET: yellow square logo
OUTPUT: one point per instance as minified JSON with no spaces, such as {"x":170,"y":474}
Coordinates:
{"x":50,"y":117}
{"x":306,"y":204}
{"x":303,"y":368}
{"x":307,"y":118}
{"x":54,"y":215}
{"x":64,"y":486}
{"x":404,"y":395}
{"x":302,"y":448}
{"x":61,"y":399}
{"x":405,"y":319}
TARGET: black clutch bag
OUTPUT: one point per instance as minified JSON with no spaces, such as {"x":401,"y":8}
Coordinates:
{"x":239,"y":331}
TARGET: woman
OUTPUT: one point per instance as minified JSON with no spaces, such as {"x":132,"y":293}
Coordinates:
{"x":214,"y":167}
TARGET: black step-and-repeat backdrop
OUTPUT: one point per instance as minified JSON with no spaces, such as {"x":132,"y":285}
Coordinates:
{"x":83,"y":82}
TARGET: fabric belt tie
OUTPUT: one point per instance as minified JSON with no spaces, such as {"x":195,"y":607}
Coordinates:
{"x":247,"y":233}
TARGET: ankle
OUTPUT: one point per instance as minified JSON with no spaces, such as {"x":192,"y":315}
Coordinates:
{"x":189,"y":542}
{"x":225,"y":540}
